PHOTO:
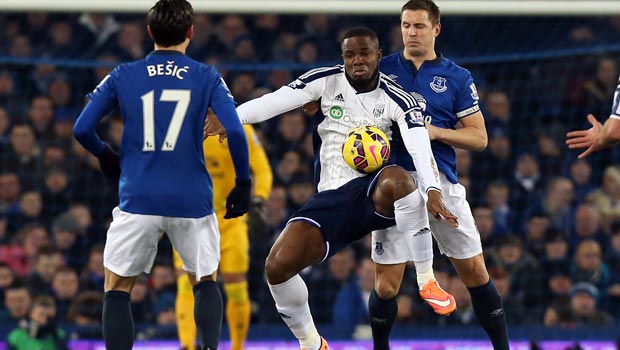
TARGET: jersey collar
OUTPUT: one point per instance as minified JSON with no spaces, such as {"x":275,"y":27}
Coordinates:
{"x":166,"y":52}
{"x":406,"y":62}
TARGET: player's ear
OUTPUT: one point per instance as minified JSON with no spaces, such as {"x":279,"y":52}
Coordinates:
{"x":190,"y":32}
{"x":379,"y":54}
{"x":148,"y":29}
{"x":437,"y":29}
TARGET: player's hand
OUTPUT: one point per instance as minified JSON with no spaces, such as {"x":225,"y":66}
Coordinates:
{"x":432,"y":130}
{"x":311,"y":108}
{"x":110,"y":165}
{"x":239,"y":198}
{"x":213,"y":127}
{"x":588,"y":139}
{"x":438,"y":209}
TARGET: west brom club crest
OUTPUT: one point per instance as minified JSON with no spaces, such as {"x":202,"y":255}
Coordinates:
{"x":439,"y":84}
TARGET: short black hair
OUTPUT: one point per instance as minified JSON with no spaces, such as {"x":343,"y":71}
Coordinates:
{"x":360,"y":31}
{"x":426,"y":5}
{"x":169,"y":21}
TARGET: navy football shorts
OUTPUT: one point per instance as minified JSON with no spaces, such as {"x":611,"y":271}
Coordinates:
{"x":345,"y":214}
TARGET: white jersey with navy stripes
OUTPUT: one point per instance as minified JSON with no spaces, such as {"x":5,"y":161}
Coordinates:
{"x":343,"y":108}
{"x":615,"y":110}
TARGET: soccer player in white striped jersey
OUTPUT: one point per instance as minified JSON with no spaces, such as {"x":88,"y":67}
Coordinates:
{"x":599,"y":136}
{"x":348,"y":204}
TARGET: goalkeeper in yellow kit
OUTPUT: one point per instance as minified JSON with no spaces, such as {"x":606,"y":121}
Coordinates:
{"x":234,"y":244}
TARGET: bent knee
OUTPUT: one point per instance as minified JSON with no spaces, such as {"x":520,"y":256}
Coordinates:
{"x":276,"y":269}
{"x":386,"y":289}
{"x":395,"y":182}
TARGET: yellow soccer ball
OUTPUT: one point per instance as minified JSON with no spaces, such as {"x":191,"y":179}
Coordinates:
{"x":366,"y":149}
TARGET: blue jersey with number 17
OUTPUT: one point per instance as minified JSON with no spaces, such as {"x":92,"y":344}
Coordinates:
{"x":445,"y":91}
{"x":163,"y":100}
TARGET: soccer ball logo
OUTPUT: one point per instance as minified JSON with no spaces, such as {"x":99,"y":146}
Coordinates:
{"x":365,"y":149}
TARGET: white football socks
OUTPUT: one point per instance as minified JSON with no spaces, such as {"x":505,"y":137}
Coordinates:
{"x":291,"y":299}
{"x":412,"y":218}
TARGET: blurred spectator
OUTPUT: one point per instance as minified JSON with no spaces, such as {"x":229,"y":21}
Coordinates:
{"x":588,"y":226}
{"x":497,"y":196}
{"x":29,"y":210}
{"x":22,"y":250}
{"x":24,"y":155}
{"x":115,"y":132}
{"x":65,"y":236}
{"x":5,"y":125}
{"x":483,"y":216}
{"x":589,"y":266}
{"x":526,"y":186}
{"x":6,"y":279}
{"x":556,"y":248}
{"x":583,"y":301}
{"x":56,"y":194}
{"x":47,"y":261}
{"x":581,"y":175}
{"x":62,"y":43}
{"x":41,"y":117}
{"x":10,"y":188}
{"x":243,"y":51}
{"x":98,"y":32}
{"x":38,"y":24}
{"x":266,"y":25}
{"x":535,"y":228}
{"x":557,"y":204}
{"x":164,"y":309}
{"x":291,"y":131}
{"x":92,"y":275}
{"x":351,"y":306}
{"x":277,"y":212}
{"x":339,"y":272}
{"x":301,"y":189}
{"x":515,"y":313}
{"x":86,"y":309}
{"x":550,"y":154}
{"x":284,"y":48}
{"x":464,"y":314}
{"x":39,"y":330}
{"x":65,"y":287}
{"x":12,"y":100}
{"x":242,"y":86}
{"x":162,"y":278}
{"x":142,"y":299}
{"x":495,"y":163}
{"x":229,"y":29}
{"x":17,"y":301}
{"x":54,"y":155}
{"x":606,"y":197}
{"x":131,"y":44}
{"x":289,"y":165}
{"x":203,"y":42}
{"x":526,"y":275}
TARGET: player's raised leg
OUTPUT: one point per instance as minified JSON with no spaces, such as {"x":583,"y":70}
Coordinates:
{"x":298,"y":246}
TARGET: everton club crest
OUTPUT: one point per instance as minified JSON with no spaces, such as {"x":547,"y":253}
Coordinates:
{"x":439,"y":84}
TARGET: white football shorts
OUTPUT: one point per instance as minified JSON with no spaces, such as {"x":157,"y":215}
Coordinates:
{"x":389,"y":246}
{"x":132,"y":239}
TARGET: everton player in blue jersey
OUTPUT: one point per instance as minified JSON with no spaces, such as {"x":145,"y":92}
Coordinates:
{"x":449,"y":94}
{"x":163,"y":184}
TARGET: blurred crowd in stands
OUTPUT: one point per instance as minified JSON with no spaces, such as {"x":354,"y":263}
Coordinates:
{"x":549,"y":223}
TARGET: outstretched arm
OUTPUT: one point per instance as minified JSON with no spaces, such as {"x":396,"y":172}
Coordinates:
{"x":599,"y":136}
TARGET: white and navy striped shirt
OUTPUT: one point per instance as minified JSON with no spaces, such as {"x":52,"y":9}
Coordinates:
{"x":343,"y":108}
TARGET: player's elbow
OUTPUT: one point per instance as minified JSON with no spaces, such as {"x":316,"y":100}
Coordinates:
{"x":481,"y":143}
{"x":79,"y":132}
